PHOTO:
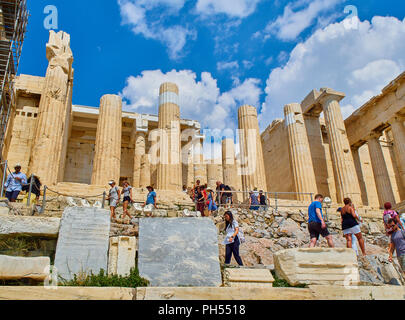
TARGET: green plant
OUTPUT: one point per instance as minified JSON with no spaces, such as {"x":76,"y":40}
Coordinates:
{"x":133,"y":280}
{"x":281,"y":283}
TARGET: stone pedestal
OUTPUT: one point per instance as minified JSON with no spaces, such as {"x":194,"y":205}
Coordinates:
{"x":121,"y":255}
{"x":398,"y":132}
{"x":252,"y":162}
{"x":300,"y":153}
{"x":169,"y":170}
{"x":347,"y":184}
{"x":107,"y":157}
{"x":46,"y":153}
{"x":381,"y":176}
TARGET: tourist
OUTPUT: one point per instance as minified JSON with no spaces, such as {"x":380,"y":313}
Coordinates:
{"x":114,"y":196}
{"x":231,"y":239}
{"x":127,"y":191}
{"x":221,"y":197}
{"x":151,"y":197}
{"x":228,"y":196}
{"x":402,"y":219}
{"x":200,"y":200}
{"x":350,"y":225}
{"x":35,"y":189}
{"x":354,"y":239}
{"x":397,"y":242}
{"x":197,"y":184}
{"x":212,"y":206}
{"x":391,"y":214}
{"x":316,"y":223}
{"x":254,"y":203}
{"x":14,"y":183}
{"x":262,"y":201}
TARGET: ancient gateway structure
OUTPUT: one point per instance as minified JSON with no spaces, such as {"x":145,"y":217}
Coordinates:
{"x":312,"y":150}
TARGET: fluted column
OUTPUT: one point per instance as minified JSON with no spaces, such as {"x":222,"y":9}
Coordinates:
{"x":107,"y":157}
{"x":169,"y":170}
{"x":230,"y":168}
{"x":145,"y":176}
{"x":398,"y":132}
{"x":347,"y":184}
{"x":300,"y":153}
{"x":47,"y":150}
{"x":140,"y":151}
{"x":200,"y":168}
{"x":252,"y":162}
{"x":381,"y":175}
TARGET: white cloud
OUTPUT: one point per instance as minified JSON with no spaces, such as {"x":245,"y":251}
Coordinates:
{"x":290,"y":25}
{"x":234,"y":8}
{"x":136,"y":13}
{"x":358,"y":62}
{"x":223,"y":65}
{"x":199,"y":99}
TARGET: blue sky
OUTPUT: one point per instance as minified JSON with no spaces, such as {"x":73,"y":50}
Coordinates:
{"x":224,"y":53}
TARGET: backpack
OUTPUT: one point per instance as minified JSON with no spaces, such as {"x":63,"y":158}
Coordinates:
{"x":241,"y":236}
{"x":228,"y":188}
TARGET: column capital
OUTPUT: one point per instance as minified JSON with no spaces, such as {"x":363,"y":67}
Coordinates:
{"x":396,"y":118}
{"x":329,"y":95}
{"x":375,"y":135}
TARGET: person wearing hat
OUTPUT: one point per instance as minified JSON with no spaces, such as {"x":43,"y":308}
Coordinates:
{"x":114,"y":198}
{"x":14,"y":183}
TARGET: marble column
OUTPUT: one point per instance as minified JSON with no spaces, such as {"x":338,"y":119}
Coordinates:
{"x":230,"y":168}
{"x":169,"y":169}
{"x":300,"y":153}
{"x":360,"y":175}
{"x":252,"y":162}
{"x":47,"y":150}
{"x":398,"y":133}
{"x":107,"y":157}
{"x":145,"y":175}
{"x":140,"y":150}
{"x":381,"y":175}
{"x":200,"y":168}
{"x":347,"y":184}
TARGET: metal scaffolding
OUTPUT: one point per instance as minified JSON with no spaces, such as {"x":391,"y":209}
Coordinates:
{"x":13,"y":24}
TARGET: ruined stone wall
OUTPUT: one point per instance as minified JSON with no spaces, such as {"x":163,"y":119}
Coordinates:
{"x":24,"y":127}
{"x":276,"y":159}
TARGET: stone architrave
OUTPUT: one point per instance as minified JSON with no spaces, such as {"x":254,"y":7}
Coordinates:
{"x":252,"y":162}
{"x":47,"y":150}
{"x":398,"y":132}
{"x":347,"y":184}
{"x":83,"y":242}
{"x":14,"y":268}
{"x":185,"y":252}
{"x":381,"y":175}
{"x":317,"y":266}
{"x":121,"y":256}
{"x":169,"y":168}
{"x":107,"y":156}
{"x":300,"y":153}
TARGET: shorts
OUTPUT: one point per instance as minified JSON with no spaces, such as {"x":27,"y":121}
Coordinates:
{"x":401,"y":261}
{"x":127,"y":199}
{"x":113,"y":203}
{"x":12,"y":195}
{"x":352,"y":230}
{"x":315,"y":229}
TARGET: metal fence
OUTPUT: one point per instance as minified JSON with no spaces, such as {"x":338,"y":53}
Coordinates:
{"x":240,"y":199}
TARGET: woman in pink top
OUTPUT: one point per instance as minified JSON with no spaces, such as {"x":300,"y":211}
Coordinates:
{"x":390,"y":214}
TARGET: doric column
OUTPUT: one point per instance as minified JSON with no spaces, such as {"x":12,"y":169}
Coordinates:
{"x":169,"y":170}
{"x":200,"y":168}
{"x":145,"y":176}
{"x":252,"y":162}
{"x":360,"y":175}
{"x":398,"y":132}
{"x":381,"y":176}
{"x":300,"y":153}
{"x":138,"y":139}
{"x":214,"y":172}
{"x":347,"y":184}
{"x":230,"y":168}
{"x":47,"y":150}
{"x":107,"y":157}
